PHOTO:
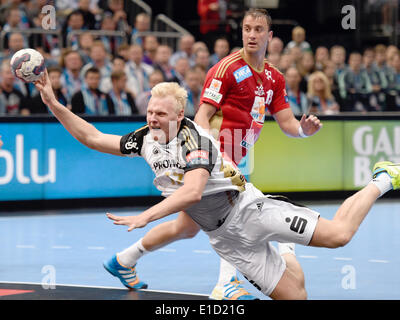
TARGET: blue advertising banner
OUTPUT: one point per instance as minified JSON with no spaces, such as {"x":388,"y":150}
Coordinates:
{"x":43,"y":161}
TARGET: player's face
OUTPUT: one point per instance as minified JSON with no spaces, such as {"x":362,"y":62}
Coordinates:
{"x":255,"y":34}
{"x":163,"y":118}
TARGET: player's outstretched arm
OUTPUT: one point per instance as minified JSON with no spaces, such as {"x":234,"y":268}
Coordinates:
{"x":307,"y":126}
{"x":187,"y":195}
{"x":80,"y":129}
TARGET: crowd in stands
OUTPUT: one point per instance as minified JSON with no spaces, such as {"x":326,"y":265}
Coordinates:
{"x":113,"y":75}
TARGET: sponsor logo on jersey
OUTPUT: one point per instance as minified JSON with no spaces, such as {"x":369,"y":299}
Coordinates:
{"x":197,"y":154}
{"x":131,"y":144}
{"x":260,"y":91}
{"x":166,"y":164}
{"x":242,"y":73}
{"x":212,"y":95}
{"x":197,"y":157}
{"x":258,"y":109}
{"x":215,"y":85}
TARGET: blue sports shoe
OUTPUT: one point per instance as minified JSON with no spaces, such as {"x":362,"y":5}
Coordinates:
{"x":233,"y":290}
{"x":127,"y":276}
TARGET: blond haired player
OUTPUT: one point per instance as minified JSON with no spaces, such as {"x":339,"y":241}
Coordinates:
{"x":239,"y":221}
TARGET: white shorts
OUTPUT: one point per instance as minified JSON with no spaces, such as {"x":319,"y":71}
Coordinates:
{"x":244,"y":238}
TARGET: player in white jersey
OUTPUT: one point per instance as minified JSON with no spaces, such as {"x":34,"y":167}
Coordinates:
{"x":192,"y":148}
{"x":239,"y":221}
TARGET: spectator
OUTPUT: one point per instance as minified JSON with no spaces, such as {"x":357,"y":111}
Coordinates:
{"x":393,"y":89}
{"x":163,"y":54}
{"x":74,"y":22}
{"x":212,"y":15}
{"x":338,"y":56}
{"x":202,"y":74}
{"x":86,"y":41}
{"x":143,"y":98}
{"x":299,"y":40}
{"x":71,"y":64}
{"x":14,"y":21}
{"x":354,"y":86}
{"x":111,"y":43}
{"x":186,"y":43}
{"x":274,"y":59}
{"x":118,"y":64}
{"x":150,"y":46}
{"x":142,"y":24}
{"x":380,"y":62}
{"x":90,"y":100}
{"x":137,"y":71}
{"x":296,"y":54}
{"x":330,"y":72}
{"x":208,"y":10}
{"x":116,"y":8}
{"x":193,"y":88}
{"x":123,"y":51}
{"x":377,"y":79}
{"x":306,"y":67}
{"x":221,"y":50}
{"x":319,"y":94}
{"x":37,"y":106}
{"x":99,"y":59}
{"x":202,"y":58}
{"x":391,"y":50}
{"x":181,"y":67}
{"x":297,"y":98}
{"x":15,"y":43}
{"x":12,"y":101}
{"x":285,"y":62}
{"x":198,"y":45}
{"x":275,"y":46}
{"x":88,"y":16}
{"x":321,"y":57}
{"x":5,"y":11}
{"x":380,"y":56}
{"x":124,"y":103}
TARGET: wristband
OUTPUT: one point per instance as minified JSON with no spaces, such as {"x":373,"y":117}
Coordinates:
{"x":301,"y":133}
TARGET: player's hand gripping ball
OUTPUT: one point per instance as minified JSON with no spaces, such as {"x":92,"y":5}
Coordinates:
{"x":27,"y":65}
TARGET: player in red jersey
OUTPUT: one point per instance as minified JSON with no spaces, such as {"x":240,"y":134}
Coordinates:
{"x":237,"y":93}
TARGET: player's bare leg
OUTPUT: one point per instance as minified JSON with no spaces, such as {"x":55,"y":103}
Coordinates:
{"x":167,"y":232}
{"x":340,"y":230}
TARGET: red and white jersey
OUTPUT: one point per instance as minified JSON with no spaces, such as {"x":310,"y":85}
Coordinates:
{"x":242,"y":96}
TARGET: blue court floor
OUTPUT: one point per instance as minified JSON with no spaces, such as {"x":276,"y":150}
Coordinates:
{"x":70,"y":246}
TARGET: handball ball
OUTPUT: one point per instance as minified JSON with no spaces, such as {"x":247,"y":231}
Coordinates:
{"x":27,"y":65}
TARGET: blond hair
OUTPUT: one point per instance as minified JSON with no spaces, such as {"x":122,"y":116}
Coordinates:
{"x":319,"y":75}
{"x":173,"y":89}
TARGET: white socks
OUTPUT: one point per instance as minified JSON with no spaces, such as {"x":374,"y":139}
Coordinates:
{"x":383,"y":183}
{"x":131,"y":255}
{"x":284,"y":248}
{"x":226,"y":272}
